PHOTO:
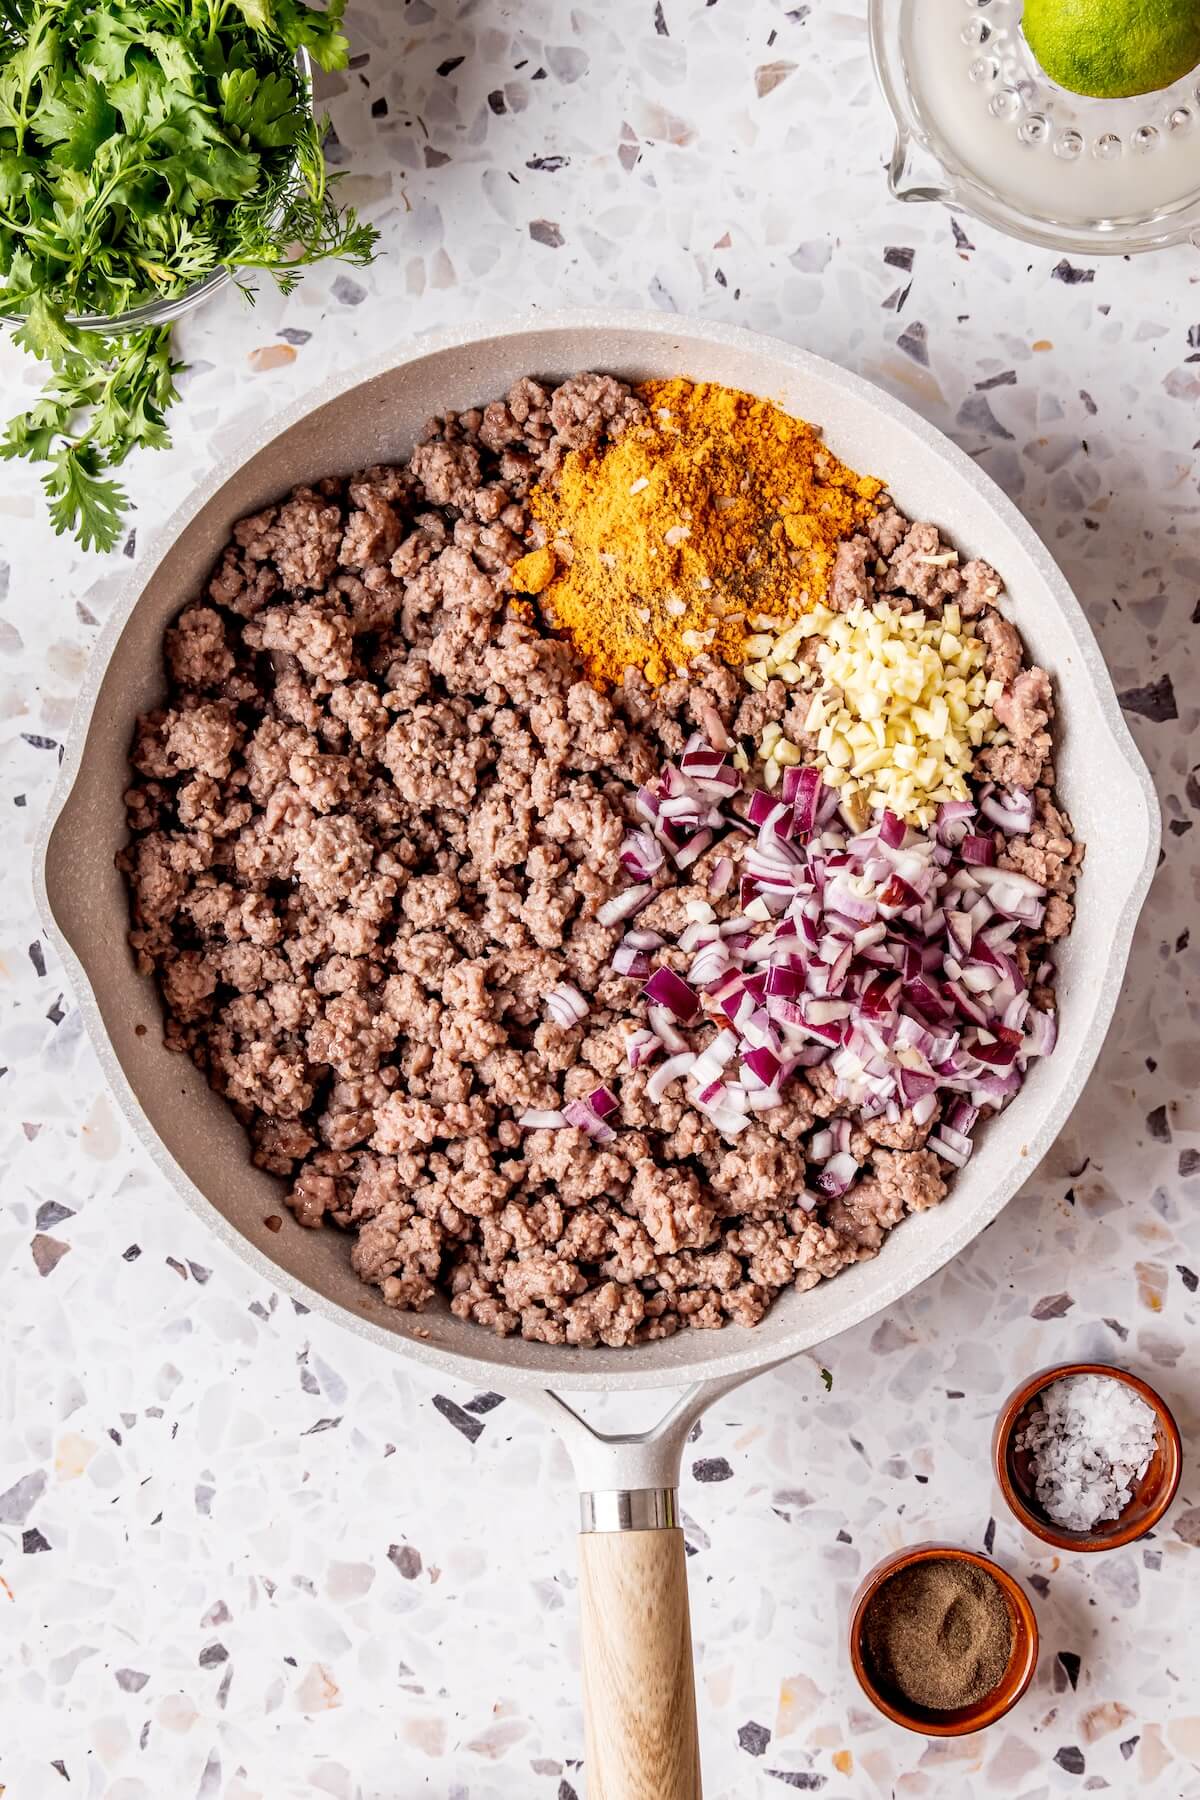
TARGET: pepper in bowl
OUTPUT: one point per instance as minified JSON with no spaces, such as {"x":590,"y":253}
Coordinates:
{"x":943,"y":1640}
{"x":146,"y":148}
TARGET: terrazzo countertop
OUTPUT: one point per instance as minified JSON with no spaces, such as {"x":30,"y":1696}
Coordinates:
{"x":241,"y":1554}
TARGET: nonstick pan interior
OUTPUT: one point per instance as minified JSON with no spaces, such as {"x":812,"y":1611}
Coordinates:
{"x":374,"y":416}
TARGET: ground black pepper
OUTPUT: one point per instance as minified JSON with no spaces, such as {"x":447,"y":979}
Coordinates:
{"x":939,"y":1633}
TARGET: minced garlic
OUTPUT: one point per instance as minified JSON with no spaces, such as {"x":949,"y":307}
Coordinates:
{"x":902,"y":706}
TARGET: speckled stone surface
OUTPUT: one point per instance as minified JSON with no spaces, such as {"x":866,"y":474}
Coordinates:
{"x":243,"y":1556}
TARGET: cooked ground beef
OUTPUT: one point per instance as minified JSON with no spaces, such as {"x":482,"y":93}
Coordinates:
{"x":372,"y":827}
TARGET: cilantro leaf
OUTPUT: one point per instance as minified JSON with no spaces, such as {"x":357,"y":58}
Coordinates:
{"x":257,"y":13}
{"x":93,"y":122}
{"x":17,"y":175}
{"x":105,"y":51}
{"x":21,"y":76}
{"x":301,"y":28}
{"x":263,"y":110}
{"x":32,"y":434}
{"x":45,"y":332}
{"x":81,"y":501}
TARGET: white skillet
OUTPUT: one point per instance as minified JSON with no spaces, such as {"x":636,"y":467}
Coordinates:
{"x":641,"y":1720}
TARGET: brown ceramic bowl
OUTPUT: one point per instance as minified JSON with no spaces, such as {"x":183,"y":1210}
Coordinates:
{"x":1151,"y":1496}
{"x":957,"y":1721}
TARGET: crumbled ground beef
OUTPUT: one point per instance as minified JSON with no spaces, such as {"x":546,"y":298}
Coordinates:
{"x":371,"y":828}
{"x":851,"y":583}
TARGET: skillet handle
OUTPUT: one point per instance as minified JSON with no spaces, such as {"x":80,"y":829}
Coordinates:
{"x":638,"y":1690}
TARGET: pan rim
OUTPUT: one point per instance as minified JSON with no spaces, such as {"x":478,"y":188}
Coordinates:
{"x":565,"y":1367}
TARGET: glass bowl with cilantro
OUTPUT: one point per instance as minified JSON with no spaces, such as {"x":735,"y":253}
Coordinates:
{"x":150,"y":152}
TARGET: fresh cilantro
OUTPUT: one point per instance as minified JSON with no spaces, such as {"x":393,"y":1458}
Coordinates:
{"x":80,"y":501}
{"x":145,"y":144}
{"x":827,"y":1378}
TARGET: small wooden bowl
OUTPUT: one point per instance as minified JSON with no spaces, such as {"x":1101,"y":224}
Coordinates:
{"x":1151,"y":1496}
{"x":956,"y":1721}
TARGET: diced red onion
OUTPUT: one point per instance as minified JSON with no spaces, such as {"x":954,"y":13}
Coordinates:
{"x":977,"y":850}
{"x":764,"y":1099}
{"x":699,"y":757}
{"x":892,"y":831}
{"x":961,"y":930}
{"x":763,"y":1064}
{"x":642,"y":854}
{"x":804,"y":794}
{"x":710,"y":1064}
{"x":889,"y":948}
{"x":916,"y":1085}
{"x":949,"y":1152}
{"x":919,"y":992}
{"x":694,"y":848}
{"x":697,"y":934}
{"x":662,"y":1024}
{"x":1041,"y":1033}
{"x":837,"y":1175}
{"x":869,"y":936}
{"x":537,"y":1118}
{"x":721,"y":877}
{"x":924,"y":1109}
{"x":967,"y":1004}
{"x":953,"y":822}
{"x":993,"y":1089}
{"x":821,"y":1012}
{"x":762,"y":806}
{"x":827,"y":805}
{"x":898,"y":895}
{"x":961,"y":1116}
{"x":602,"y":1101}
{"x":841,"y":898}
{"x":623,"y":906}
{"x":791,"y":784}
{"x":1012,"y":811}
{"x":667,"y":1072}
{"x":566,"y":1005}
{"x":580,"y":1114}
{"x":709,"y":964}
{"x":1012,"y":878}
{"x":665,"y":988}
{"x":641,"y":1047}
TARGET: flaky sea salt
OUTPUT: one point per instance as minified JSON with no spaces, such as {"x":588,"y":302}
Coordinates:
{"x":1090,"y":1439}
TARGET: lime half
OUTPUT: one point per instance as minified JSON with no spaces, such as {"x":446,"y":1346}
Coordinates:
{"x":1112,"y":48}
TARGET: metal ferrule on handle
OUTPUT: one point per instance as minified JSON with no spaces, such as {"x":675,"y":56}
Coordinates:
{"x":629,"y":1509}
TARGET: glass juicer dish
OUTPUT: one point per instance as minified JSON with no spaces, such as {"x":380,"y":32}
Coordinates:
{"x":981,"y":127}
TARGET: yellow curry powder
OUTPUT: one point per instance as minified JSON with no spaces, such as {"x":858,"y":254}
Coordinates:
{"x":718,"y":517}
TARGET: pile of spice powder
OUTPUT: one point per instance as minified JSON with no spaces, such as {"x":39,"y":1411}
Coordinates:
{"x":939,"y":1633}
{"x":716,"y":518}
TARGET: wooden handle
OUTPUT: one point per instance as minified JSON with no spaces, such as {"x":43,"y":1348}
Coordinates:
{"x":638,"y":1693}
